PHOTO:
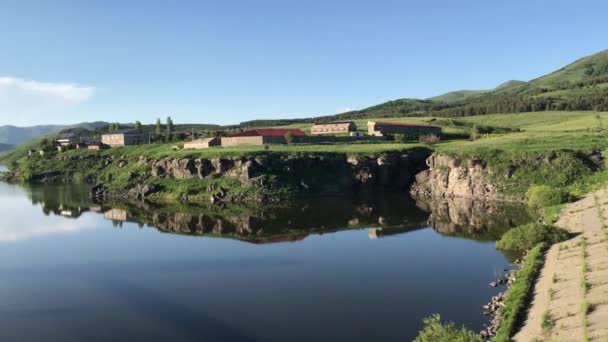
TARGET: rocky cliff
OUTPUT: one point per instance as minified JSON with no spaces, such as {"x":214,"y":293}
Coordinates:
{"x":450,"y":177}
{"x":262,"y":175}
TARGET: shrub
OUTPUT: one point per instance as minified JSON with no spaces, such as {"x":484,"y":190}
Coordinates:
{"x":436,"y":331}
{"x":525,"y":237}
{"x":545,"y":196}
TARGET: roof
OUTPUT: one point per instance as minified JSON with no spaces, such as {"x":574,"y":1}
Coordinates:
{"x":268,"y":132}
{"x":409,"y":124}
{"x":124,"y":131}
{"x":333,"y":123}
{"x":203,"y":140}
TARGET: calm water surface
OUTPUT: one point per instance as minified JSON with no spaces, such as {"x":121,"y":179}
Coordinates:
{"x":324,"y":269}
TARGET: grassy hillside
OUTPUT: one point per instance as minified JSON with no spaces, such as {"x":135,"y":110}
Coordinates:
{"x":583,"y":69}
{"x":463,"y":95}
{"x":582,"y":85}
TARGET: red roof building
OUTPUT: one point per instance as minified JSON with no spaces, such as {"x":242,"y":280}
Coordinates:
{"x":261,"y":136}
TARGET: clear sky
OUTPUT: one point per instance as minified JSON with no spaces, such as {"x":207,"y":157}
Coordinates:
{"x":226,"y":61}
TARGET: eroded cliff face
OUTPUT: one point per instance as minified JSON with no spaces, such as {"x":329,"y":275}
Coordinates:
{"x":451,"y":177}
{"x":316,"y":173}
{"x":265,"y":176}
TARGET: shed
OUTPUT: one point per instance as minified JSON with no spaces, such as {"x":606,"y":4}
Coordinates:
{"x":203,"y":143}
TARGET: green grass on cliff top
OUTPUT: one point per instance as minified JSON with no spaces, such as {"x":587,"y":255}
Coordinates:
{"x":540,"y":131}
{"x":165,"y":150}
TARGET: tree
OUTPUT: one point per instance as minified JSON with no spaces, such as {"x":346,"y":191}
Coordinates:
{"x":138,"y":125}
{"x":111,"y":127}
{"x":159,"y":128}
{"x":169,"y":128}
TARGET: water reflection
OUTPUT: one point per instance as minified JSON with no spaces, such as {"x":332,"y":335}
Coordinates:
{"x":71,"y":276}
{"x":385,"y":214}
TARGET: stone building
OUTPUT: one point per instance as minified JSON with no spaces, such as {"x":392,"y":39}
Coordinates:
{"x":122,"y":138}
{"x":333,"y":127}
{"x":261,"y":136}
{"x":380,"y":129}
{"x":203,"y":143}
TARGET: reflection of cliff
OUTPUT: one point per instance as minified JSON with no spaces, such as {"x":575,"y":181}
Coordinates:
{"x":484,"y":220}
{"x":289,"y":221}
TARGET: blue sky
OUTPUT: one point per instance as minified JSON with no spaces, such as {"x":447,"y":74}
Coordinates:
{"x":65,"y":61}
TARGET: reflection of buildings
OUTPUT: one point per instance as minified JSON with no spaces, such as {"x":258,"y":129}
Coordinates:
{"x":116,"y":215}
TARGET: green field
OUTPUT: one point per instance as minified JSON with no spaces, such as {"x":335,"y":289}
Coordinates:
{"x":539,"y":131}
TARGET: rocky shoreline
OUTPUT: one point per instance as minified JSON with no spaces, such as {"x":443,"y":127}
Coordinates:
{"x":493,"y":308}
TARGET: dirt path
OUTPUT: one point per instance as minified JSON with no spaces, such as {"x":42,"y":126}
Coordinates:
{"x":571,"y":294}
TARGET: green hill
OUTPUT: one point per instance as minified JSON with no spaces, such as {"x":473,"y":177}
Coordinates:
{"x":462,"y":95}
{"x":584,"y":69}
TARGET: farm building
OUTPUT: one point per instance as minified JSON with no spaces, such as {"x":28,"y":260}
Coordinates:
{"x":333,"y":127}
{"x":203,"y":143}
{"x":67,"y":139}
{"x":261,"y":136}
{"x":122,"y":138}
{"x":380,"y":129}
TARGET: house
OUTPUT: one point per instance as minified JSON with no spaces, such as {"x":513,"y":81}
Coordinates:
{"x":333,"y":127}
{"x":122,"y":138}
{"x":203,"y":143}
{"x":380,"y":129}
{"x":261,"y":136}
{"x":67,"y":139}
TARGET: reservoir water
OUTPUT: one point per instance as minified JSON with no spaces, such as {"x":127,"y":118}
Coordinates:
{"x":362,"y":268}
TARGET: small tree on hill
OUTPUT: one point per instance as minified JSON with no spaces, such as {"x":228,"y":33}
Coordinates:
{"x":169,"y":128}
{"x":159,"y":128}
{"x":138,"y":125}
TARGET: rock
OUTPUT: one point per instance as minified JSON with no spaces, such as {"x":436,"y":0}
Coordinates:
{"x":147,"y":190}
{"x":122,"y":164}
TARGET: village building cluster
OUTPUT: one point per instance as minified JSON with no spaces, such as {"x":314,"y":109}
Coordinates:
{"x":343,"y":131}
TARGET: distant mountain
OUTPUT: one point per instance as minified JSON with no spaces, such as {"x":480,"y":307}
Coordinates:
{"x":13,"y":135}
{"x":6,"y":147}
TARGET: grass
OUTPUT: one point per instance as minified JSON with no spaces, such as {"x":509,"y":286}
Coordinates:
{"x":436,"y":331}
{"x":551,"y":214}
{"x":547,"y":323}
{"x":518,"y":294}
{"x":545,"y":196}
{"x":525,"y":237}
